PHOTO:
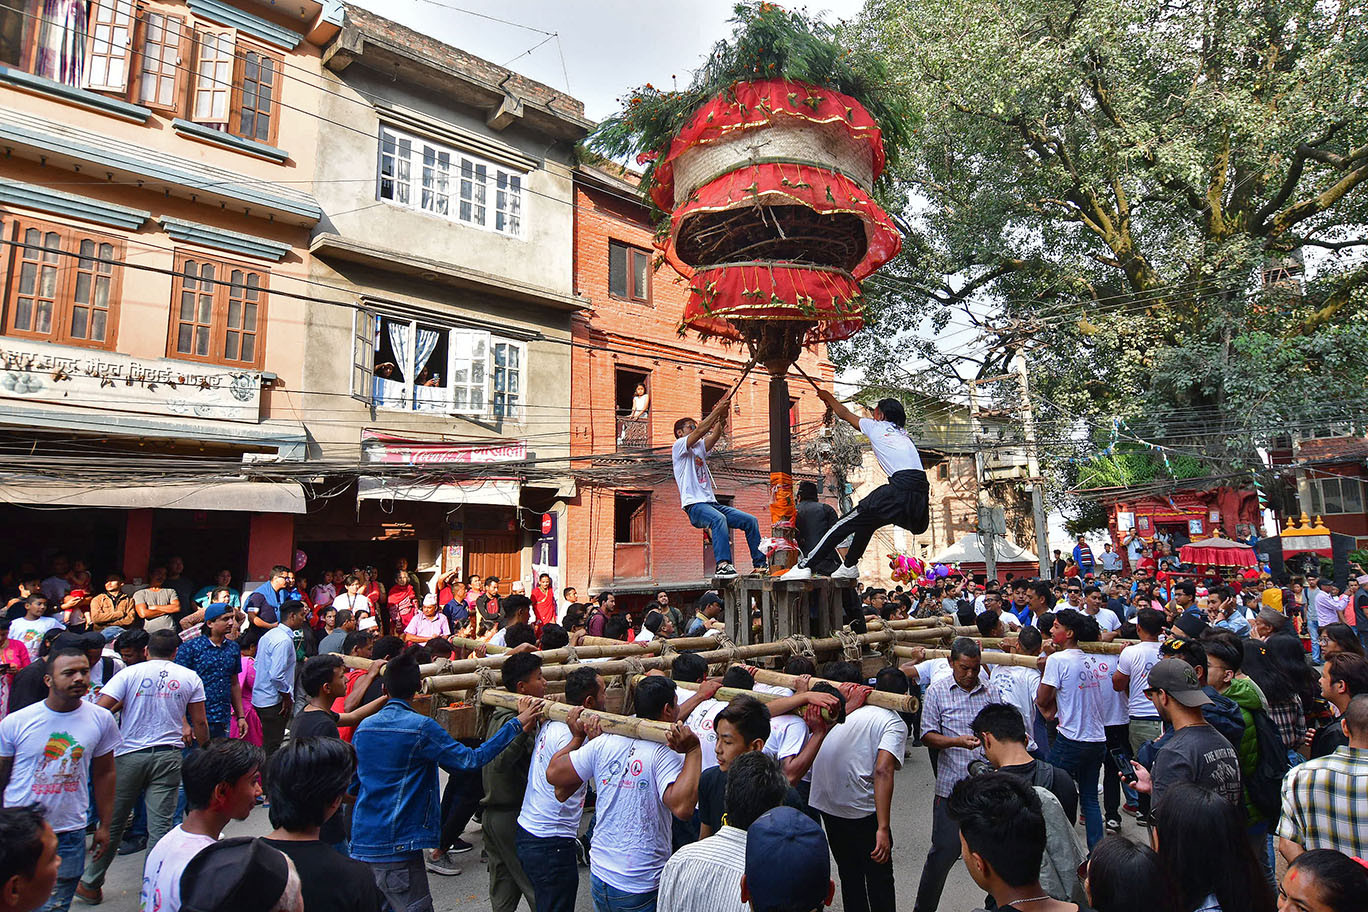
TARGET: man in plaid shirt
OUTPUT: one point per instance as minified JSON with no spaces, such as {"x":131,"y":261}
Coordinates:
{"x":1325,"y":801}
{"x":951,"y":704}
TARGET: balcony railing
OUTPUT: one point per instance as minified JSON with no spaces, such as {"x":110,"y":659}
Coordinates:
{"x":633,"y":433}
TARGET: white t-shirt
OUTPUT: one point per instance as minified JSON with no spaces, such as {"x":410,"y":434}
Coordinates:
{"x":500,"y":638}
{"x":1016,"y":686}
{"x":843,"y":773}
{"x":1115,"y":710}
{"x":31,"y":633}
{"x":788,"y":734}
{"x":1077,"y":678}
{"x":165,"y":863}
{"x":644,"y":637}
{"x":1136,"y":660}
{"x":632,"y":828}
{"x":154,"y":695}
{"x":1009,"y":620}
{"x":701,"y":722}
{"x":774,"y":689}
{"x":1106,"y":619}
{"x":892,"y":447}
{"x":691,"y":472}
{"x":542,"y":815}
{"x":52,"y":753}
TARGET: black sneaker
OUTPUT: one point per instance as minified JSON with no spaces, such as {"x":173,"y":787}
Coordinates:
{"x":1143,"y":819}
{"x":726,"y":570}
{"x":582,"y":851}
{"x":1112,"y":824}
{"x":460,"y":847}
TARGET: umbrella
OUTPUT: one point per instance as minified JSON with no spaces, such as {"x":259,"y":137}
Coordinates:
{"x":1218,"y":552}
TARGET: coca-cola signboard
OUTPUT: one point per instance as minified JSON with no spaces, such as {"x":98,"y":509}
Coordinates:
{"x":381,"y":449}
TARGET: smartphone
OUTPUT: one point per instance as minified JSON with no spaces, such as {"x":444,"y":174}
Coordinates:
{"x":1123,"y":763}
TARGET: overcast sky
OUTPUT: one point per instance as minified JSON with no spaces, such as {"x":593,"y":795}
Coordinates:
{"x":609,"y":45}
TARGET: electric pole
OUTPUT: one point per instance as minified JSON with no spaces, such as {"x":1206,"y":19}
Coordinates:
{"x":987,"y":540}
{"x":1036,"y":482}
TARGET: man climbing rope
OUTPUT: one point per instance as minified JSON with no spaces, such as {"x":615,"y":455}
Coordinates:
{"x":902,"y":501}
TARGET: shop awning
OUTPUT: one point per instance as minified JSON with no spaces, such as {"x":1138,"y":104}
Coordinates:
{"x":241,"y":495}
{"x":498,"y":492}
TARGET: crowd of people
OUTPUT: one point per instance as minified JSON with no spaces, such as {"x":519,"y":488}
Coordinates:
{"x":145,"y":720}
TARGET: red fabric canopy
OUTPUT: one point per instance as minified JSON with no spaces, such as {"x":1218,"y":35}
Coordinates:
{"x":747,"y":105}
{"x":829,"y":298}
{"x":1219,"y":552}
{"x":827,"y":192}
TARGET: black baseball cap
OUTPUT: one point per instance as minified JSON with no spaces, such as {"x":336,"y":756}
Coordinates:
{"x":1178,"y":679}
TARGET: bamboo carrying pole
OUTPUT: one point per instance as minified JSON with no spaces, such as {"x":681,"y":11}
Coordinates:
{"x":896,"y":702}
{"x":450,"y":682}
{"x":934,"y":633}
{"x":549,"y":656}
{"x":613,"y":724}
{"x":678,"y":644}
{"x":906,"y":624}
{"x":989,"y":658}
{"x":469,"y":643}
{"x":1112,"y":648}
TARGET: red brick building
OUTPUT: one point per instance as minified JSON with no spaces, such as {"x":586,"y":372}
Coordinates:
{"x":626,"y":530}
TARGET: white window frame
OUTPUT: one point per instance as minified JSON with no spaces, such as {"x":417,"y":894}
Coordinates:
{"x":1316,"y":486}
{"x":215,"y":49}
{"x":442,"y":180}
{"x":462,"y":344}
{"x":514,"y":412}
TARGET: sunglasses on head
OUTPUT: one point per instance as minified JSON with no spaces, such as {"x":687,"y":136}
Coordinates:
{"x":1174,"y":645}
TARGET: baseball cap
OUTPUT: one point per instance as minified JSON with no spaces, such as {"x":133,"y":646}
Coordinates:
{"x":215,"y":611}
{"x":788,"y":865}
{"x":241,"y":874}
{"x":1178,"y":679}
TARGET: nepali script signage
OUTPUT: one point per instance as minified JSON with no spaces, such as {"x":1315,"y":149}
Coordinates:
{"x":78,"y":377}
{"x":384,"y":450}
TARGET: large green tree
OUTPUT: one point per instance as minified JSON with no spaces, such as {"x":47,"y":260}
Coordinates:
{"x":1117,"y":185}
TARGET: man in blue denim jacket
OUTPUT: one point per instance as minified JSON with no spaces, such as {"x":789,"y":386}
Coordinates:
{"x":397,"y":811}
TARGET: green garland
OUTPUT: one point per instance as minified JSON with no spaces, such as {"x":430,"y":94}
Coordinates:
{"x":768,"y":42}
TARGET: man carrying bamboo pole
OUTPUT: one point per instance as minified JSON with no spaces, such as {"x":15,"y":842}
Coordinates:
{"x":398,"y":751}
{"x":641,"y":784}
{"x":505,"y":781}
{"x":548,"y":828}
{"x":852,"y":787}
{"x":902,"y":501}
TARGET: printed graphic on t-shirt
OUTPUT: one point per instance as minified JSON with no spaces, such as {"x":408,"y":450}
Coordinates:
{"x":60,"y":769}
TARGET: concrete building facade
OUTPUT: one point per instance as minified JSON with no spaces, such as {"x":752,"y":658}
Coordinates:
{"x":442,"y":366}
{"x":155,"y":216}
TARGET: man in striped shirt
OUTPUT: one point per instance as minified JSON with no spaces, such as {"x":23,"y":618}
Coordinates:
{"x":705,"y":876}
{"x":952,"y":703}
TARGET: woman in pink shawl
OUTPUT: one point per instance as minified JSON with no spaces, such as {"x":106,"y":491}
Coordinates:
{"x":251,"y":722}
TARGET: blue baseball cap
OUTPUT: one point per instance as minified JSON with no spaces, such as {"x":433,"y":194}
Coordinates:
{"x":216,"y":611}
{"x":788,"y":865}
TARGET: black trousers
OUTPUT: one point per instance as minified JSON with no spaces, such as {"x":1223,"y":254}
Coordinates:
{"x":460,"y":800}
{"x":940,"y":858}
{"x":1118,"y":738}
{"x":866,"y":885}
{"x":903,"y":501}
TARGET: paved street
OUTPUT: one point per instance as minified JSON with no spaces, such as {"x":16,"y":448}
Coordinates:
{"x":469,"y":892}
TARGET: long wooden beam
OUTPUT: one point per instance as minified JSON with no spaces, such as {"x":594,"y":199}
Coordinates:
{"x":895,"y":702}
{"x":989,"y":658}
{"x":450,"y":682}
{"x":907,"y":624}
{"x":629,"y":726}
{"x":1100,"y":648}
{"x":934,"y":633}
